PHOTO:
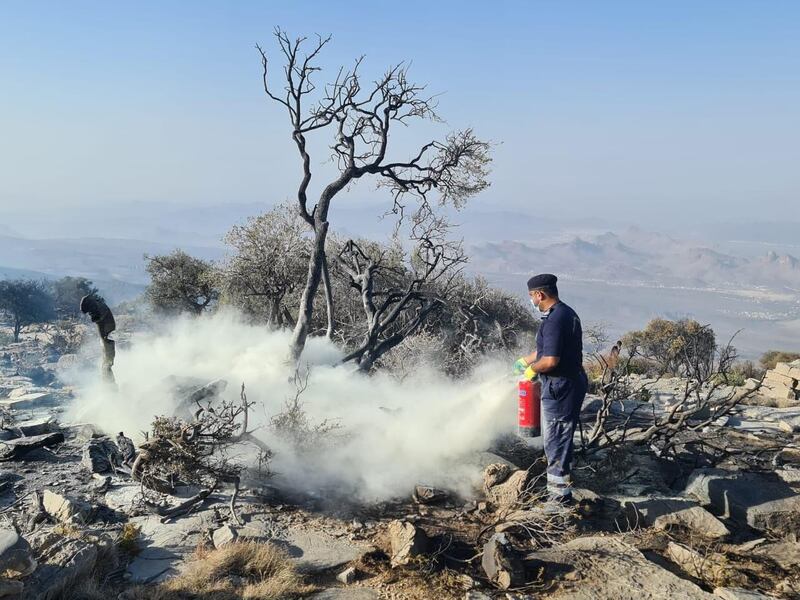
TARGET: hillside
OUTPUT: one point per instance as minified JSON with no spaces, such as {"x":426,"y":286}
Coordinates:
{"x":637,"y":257}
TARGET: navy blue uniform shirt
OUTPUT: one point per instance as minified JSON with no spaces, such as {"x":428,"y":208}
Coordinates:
{"x":561,"y":335}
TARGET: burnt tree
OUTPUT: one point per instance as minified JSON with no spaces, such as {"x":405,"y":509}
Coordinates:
{"x":398,"y":296}
{"x":359,"y":116}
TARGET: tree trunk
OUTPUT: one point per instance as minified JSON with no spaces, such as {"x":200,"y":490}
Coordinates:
{"x":17,"y":328}
{"x":274,"y":316}
{"x":316,"y":262}
{"x":306,"y":310}
{"x":326,"y":282}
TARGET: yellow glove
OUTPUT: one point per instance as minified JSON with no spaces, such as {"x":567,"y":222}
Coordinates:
{"x":519,"y":366}
{"x":530,"y":373}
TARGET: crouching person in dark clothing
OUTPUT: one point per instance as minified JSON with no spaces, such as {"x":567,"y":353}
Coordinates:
{"x":558,"y":361}
{"x":101,"y":315}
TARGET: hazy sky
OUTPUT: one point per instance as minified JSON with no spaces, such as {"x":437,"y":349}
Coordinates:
{"x":635,"y":110}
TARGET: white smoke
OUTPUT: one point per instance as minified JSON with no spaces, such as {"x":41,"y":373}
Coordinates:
{"x":432,"y":427}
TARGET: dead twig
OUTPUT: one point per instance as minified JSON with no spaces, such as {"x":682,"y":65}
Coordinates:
{"x":186,"y":506}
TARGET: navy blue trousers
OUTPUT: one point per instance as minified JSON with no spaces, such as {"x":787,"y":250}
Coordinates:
{"x":562,"y":398}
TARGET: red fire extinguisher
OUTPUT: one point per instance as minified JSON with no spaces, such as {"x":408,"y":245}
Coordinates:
{"x":529,"y":418}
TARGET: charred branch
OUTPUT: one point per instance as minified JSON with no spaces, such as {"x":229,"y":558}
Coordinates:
{"x":360,"y":117}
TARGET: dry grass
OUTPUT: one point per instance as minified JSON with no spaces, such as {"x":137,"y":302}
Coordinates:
{"x":84,"y":590}
{"x":241,"y":570}
{"x":128,"y":539}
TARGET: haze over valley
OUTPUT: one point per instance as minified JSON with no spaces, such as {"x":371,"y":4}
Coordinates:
{"x":620,"y":275}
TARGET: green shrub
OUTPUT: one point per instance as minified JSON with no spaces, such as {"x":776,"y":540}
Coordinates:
{"x":674,"y":347}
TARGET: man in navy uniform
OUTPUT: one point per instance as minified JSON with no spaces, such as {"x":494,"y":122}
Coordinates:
{"x":558,"y":361}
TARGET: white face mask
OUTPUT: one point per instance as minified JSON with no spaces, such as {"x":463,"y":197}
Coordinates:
{"x":535,"y":306}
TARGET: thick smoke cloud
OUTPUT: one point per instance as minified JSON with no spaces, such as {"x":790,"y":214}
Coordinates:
{"x":392,"y":435}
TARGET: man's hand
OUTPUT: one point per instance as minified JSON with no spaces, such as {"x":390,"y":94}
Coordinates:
{"x":530,"y":373}
{"x":520,"y":366}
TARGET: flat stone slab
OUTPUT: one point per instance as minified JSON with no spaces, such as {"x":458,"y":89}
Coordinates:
{"x":24,"y":391}
{"x":755,"y":426}
{"x":124,"y":498}
{"x":666,"y":513}
{"x":13,"y":382}
{"x":695,"y":519}
{"x":786,"y":419}
{"x":349,"y":593}
{"x":30,"y":400}
{"x":759,"y":501}
{"x":607,"y":568}
{"x":166,"y":546}
{"x":789,"y":474}
{"x":740,"y":594}
{"x":786,"y":554}
{"x":39,"y":426}
{"x":318,"y":551}
{"x":19,"y":447}
{"x":643,"y":511}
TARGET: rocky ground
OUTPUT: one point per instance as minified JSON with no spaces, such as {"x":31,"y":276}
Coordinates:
{"x":710,"y":523}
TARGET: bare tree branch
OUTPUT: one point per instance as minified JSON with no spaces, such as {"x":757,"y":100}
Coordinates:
{"x":361,"y":118}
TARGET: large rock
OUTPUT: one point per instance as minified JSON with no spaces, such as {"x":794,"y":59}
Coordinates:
{"x":24,"y":391}
{"x":759,"y":501}
{"x":700,"y":566}
{"x":348,"y":576}
{"x":607,"y":568}
{"x":792,"y":369}
{"x":101,"y":455}
{"x":39,"y":426}
{"x":28,"y":400}
{"x":427,"y":494}
{"x":786,"y":554}
{"x":728,"y":593}
{"x":81,"y":432}
{"x":789,"y":473}
{"x":514,"y":491}
{"x":315,"y":551}
{"x":15,"y":382}
{"x":66,"y":509}
{"x":407,"y":541}
{"x":16,"y":559}
{"x":502,"y":563}
{"x":223,"y":536}
{"x":124,"y":497}
{"x":782,"y":383}
{"x":164,"y":547}
{"x":668,"y":513}
{"x":496,"y":473}
{"x":695,"y":519}
{"x":19,"y":447}
{"x":11,"y":588}
{"x":786,"y":419}
{"x":62,"y":561}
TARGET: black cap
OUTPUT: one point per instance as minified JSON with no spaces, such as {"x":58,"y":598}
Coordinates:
{"x":542,"y":281}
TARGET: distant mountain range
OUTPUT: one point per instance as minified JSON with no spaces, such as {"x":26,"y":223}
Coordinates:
{"x":107,"y":245}
{"x":636,"y":256}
